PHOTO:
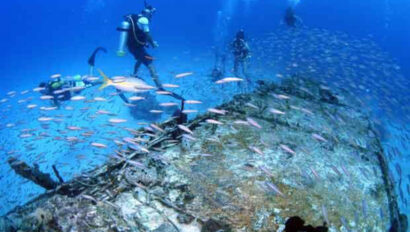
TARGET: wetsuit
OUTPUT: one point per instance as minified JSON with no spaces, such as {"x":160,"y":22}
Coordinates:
{"x":54,"y":86}
{"x":241,"y":54}
{"x":139,"y":38}
{"x":137,"y":42}
{"x":290,"y":18}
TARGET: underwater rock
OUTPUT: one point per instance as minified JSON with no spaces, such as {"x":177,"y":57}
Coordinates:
{"x":260,"y":220}
{"x":32,"y":173}
{"x":166,"y":227}
{"x":213,"y":225}
{"x":185,"y":219}
{"x":145,"y":176}
{"x":295,"y":224}
{"x":404,"y":223}
{"x":327,"y":96}
{"x":400,"y":225}
{"x":287,"y":149}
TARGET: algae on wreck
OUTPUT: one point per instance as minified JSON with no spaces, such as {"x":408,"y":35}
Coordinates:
{"x":318,"y":153}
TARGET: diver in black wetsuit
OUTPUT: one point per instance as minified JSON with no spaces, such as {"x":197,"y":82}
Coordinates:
{"x":218,"y":71}
{"x":63,"y":90}
{"x":290,"y":19}
{"x":242,"y":54}
{"x":50,"y":89}
{"x":135,"y":34}
{"x":138,"y":38}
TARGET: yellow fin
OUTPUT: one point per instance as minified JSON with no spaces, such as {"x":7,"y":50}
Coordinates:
{"x":106,"y":80}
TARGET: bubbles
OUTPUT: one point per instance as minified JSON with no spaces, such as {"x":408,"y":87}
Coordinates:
{"x":247,"y":5}
{"x":93,"y":6}
{"x":293,"y":3}
{"x":388,"y":12}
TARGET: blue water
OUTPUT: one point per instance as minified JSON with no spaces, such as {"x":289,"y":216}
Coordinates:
{"x":40,"y":38}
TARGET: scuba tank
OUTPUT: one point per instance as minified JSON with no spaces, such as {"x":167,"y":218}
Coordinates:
{"x":125,"y":26}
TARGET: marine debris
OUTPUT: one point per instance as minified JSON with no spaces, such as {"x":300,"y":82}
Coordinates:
{"x":32,"y":173}
{"x":298,"y":148}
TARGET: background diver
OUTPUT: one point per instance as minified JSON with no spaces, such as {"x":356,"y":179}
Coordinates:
{"x":218,"y":71}
{"x":241,"y":52}
{"x":290,"y":19}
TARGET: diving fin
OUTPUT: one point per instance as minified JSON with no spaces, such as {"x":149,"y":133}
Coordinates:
{"x":91,"y":60}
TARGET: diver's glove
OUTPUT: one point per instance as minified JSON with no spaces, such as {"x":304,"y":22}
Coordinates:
{"x":121,"y":53}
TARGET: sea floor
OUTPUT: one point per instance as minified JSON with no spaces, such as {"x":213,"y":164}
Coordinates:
{"x":50,"y":145}
{"x":263,"y":157}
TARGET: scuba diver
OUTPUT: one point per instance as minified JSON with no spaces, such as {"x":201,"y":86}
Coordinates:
{"x":218,"y":71}
{"x":241,"y":52}
{"x":290,"y":19}
{"x":135,"y":35}
{"x":63,"y":90}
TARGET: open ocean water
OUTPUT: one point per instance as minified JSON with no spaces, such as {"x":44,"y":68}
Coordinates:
{"x":361,"y":45}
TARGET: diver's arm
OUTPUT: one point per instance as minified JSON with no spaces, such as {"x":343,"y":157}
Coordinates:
{"x":246,"y":45}
{"x":247,"y":49}
{"x":299,"y":21}
{"x":143,"y":24}
{"x":150,"y":40}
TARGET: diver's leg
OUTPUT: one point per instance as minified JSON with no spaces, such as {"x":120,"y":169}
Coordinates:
{"x":245,"y":73}
{"x":56,"y":103}
{"x":137,"y":67}
{"x":154,"y":75}
{"x":236,"y":67}
{"x":91,"y":71}
{"x":155,"y":78}
{"x":245,"y":66}
{"x":174,"y":95}
{"x":122,"y":96}
{"x":223,"y":68}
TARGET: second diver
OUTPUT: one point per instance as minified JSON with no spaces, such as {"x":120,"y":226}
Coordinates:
{"x":136,"y":36}
{"x":241,"y":53}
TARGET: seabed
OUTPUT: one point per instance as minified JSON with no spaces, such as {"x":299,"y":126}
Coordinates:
{"x":295,"y":148}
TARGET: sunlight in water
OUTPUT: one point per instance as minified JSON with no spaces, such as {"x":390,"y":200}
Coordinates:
{"x":94,"y":5}
{"x":294,"y":3}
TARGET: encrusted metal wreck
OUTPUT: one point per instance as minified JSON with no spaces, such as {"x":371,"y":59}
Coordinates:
{"x":298,"y":148}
